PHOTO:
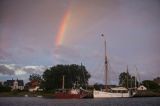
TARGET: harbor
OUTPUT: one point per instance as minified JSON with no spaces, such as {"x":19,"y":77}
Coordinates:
{"x":79,"y":53}
{"x":35,"y":101}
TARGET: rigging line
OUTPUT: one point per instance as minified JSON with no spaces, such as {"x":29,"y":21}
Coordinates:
{"x":112,"y":70}
{"x":117,"y":62}
{"x":138,"y":75}
{"x":99,"y":67}
{"x":112,"y":73}
{"x":93,"y":64}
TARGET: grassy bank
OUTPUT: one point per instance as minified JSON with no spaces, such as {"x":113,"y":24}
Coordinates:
{"x":25,"y":93}
{"x":51,"y":94}
{"x":147,"y":94}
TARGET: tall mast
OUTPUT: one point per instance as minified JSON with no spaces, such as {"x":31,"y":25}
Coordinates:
{"x":135,"y":82}
{"x":106,"y":65}
{"x":84,"y":79}
{"x":63,"y":82}
{"x":105,"y":61}
{"x":136,"y":79}
{"x":127,"y":77}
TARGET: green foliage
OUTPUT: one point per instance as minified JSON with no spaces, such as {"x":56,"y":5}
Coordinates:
{"x":1,"y":85}
{"x":5,"y":89}
{"x":151,"y":85}
{"x":35,"y":77}
{"x":126,"y":80}
{"x":123,"y":79}
{"x":52,"y":77}
{"x":98,"y":86}
{"x":157,"y":80}
{"x":147,"y":93}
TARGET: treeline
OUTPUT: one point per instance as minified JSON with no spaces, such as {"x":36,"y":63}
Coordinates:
{"x":4,"y":88}
{"x":52,"y":78}
{"x":128,"y":81}
{"x":78,"y":76}
{"x":73,"y":74}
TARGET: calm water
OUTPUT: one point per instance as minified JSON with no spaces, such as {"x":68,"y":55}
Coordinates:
{"x":34,"y":101}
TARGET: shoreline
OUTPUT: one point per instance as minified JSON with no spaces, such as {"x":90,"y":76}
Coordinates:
{"x":139,"y":94}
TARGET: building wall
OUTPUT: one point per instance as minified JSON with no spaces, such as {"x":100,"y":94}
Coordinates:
{"x":16,"y":87}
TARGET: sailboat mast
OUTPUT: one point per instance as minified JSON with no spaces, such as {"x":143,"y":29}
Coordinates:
{"x":135,"y":82}
{"x":136,"y":79}
{"x":84,"y":79}
{"x":127,"y":77}
{"x":63,"y":82}
{"x":106,"y":64}
{"x":105,"y":61}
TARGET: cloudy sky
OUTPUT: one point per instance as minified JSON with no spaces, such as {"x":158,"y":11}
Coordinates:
{"x":36,"y":34}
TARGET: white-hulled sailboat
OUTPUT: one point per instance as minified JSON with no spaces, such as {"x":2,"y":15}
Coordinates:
{"x":113,"y":92}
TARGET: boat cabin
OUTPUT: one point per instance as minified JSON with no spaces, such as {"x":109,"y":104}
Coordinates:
{"x":119,"y":90}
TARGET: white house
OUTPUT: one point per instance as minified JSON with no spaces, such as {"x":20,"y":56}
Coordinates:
{"x":141,"y":88}
{"x":34,"y":89}
{"x":18,"y":84}
{"x":15,"y":84}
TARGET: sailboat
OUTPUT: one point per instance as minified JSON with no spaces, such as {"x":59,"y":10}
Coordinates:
{"x":73,"y":93}
{"x":113,"y":92}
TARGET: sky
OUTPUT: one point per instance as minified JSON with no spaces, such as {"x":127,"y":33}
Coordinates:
{"x":38,"y":34}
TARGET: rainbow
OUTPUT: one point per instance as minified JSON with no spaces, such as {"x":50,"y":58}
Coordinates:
{"x":62,"y":29}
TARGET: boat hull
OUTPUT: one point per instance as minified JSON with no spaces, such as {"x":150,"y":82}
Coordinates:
{"x":103,"y":94}
{"x":70,"y":94}
{"x":67,"y":96}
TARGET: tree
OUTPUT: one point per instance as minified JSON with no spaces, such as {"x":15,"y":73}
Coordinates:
{"x":1,"y":84}
{"x":157,"y":80}
{"x":98,"y":86}
{"x":35,"y":77}
{"x":126,"y":80}
{"x":123,"y":78}
{"x":52,"y":77}
{"x":5,"y":89}
{"x":35,"y":80}
{"x":151,"y":85}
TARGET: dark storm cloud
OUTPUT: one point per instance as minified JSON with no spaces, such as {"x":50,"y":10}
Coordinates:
{"x":6,"y":71}
{"x":12,"y":69}
{"x":34,"y":69}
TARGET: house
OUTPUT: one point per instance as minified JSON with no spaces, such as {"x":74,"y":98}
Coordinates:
{"x":34,"y":89}
{"x":33,"y":86}
{"x":15,"y":84}
{"x":141,"y":88}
